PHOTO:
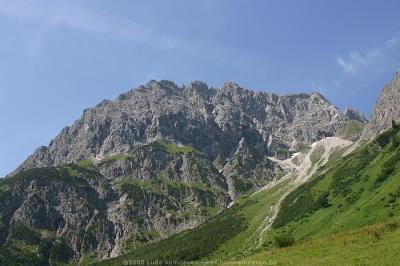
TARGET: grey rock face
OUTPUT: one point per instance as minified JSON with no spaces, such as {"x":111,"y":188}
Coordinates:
{"x":387,"y":109}
{"x":355,"y":115}
{"x":211,"y":120}
{"x":249,"y":167}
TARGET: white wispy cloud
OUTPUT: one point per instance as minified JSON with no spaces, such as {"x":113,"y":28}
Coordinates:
{"x":376,"y":60}
{"x":67,"y":14}
{"x":346,"y":65}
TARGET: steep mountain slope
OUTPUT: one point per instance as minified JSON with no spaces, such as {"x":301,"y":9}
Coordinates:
{"x":351,"y":131}
{"x":97,"y":217}
{"x":228,"y":233}
{"x":387,"y":109}
{"x":361,"y":188}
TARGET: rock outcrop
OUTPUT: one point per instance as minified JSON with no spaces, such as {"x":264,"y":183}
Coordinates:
{"x":387,"y":109}
{"x":355,"y":115}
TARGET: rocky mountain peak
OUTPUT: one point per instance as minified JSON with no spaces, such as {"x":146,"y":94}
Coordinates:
{"x":231,"y":85}
{"x":196,"y":88}
{"x":316,"y":96}
{"x":232,"y":89}
{"x":354,"y":115}
{"x":387,"y":109}
{"x":163,"y":86}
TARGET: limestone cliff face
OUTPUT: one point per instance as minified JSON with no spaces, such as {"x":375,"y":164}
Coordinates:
{"x":387,"y":109}
{"x":210,"y":120}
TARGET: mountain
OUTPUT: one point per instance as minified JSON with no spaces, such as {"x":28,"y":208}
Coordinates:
{"x":387,"y":109}
{"x":210,"y":120}
{"x":234,"y":127}
{"x":159,"y":160}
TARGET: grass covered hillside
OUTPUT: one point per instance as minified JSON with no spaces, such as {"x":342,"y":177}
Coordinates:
{"x":351,"y":130}
{"x":362,"y":188}
{"x":376,"y":244}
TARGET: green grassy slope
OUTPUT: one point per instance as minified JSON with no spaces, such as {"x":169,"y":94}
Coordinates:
{"x":371,"y":245}
{"x":350,"y":130}
{"x":159,"y":144}
{"x":255,"y":210}
{"x":360,"y":189}
{"x":26,"y":246}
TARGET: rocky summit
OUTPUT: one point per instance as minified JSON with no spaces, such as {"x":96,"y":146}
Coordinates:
{"x":158,"y":160}
{"x":387,"y":109}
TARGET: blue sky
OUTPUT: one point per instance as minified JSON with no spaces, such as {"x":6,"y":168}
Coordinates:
{"x":59,"y":57}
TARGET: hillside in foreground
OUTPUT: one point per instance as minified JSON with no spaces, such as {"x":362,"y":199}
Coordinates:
{"x":376,"y":244}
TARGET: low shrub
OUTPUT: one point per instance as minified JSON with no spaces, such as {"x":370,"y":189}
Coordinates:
{"x":283,"y":241}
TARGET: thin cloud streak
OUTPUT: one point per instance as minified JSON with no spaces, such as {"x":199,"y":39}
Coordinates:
{"x":373,"y":61}
{"x":354,"y":73}
{"x":347,"y":66}
{"x":81,"y":18}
